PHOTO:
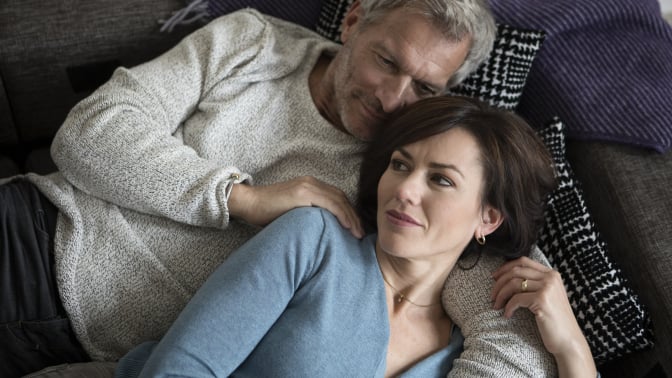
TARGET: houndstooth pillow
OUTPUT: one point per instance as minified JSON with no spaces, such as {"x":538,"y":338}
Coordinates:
{"x":609,"y":312}
{"x":499,"y":80}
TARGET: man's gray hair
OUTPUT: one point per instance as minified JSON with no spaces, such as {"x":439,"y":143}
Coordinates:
{"x":456,"y":19}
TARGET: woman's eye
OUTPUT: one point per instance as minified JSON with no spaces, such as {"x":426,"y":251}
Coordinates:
{"x":398,"y":165}
{"x":442,"y":180}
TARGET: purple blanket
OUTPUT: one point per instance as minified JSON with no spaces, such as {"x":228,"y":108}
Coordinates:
{"x":605,"y":68}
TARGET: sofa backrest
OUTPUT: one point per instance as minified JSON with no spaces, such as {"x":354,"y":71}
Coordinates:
{"x":53,"y":54}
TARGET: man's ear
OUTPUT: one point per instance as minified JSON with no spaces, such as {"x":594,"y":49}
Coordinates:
{"x":352,"y":18}
{"x":491,"y":219}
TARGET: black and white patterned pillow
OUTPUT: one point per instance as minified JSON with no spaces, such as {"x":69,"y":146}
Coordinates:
{"x":613,"y":320}
{"x":499,"y":81}
{"x":501,"y":78}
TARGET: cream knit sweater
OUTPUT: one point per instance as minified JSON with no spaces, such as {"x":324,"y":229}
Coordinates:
{"x":145,"y":160}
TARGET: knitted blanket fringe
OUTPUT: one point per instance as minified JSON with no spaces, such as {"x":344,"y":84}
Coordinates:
{"x":196,"y":10}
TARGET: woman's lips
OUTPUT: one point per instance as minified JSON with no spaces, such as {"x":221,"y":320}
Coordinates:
{"x":401,"y":219}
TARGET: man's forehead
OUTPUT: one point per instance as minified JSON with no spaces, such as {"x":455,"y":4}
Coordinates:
{"x":423,"y":52}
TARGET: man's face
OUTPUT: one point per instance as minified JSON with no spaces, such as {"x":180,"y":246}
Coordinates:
{"x":387,"y":64}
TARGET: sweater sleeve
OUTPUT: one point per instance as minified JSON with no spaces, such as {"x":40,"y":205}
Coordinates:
{"x":240,"y":302}
{"x":119,"y":145}
{"x":493,"y":345}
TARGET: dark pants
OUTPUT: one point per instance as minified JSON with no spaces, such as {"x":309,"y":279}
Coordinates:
{"x":34,"y":330}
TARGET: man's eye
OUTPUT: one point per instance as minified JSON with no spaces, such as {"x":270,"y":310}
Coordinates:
{"x":425,"y":90}
{"x":385,"y":62}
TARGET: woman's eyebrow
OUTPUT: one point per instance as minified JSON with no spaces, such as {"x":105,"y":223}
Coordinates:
{"x":434,"y":165}
{"x":452,"y":167}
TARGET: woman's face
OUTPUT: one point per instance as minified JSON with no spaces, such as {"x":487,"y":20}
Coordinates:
{"x":429,"y":198}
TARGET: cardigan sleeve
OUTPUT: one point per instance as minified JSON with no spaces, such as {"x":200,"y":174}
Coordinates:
{"x":493,"y":345}
{"x":238,"y":304}
{"x":119,"y":144}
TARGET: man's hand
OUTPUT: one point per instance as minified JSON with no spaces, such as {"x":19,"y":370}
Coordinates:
{"x":260,"y":205}
{"x":524,"y":283}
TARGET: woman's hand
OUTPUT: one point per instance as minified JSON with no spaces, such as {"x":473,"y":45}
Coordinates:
{"x":529,"y":284}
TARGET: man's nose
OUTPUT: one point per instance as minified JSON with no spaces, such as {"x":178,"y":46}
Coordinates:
{"x":395,"y":92}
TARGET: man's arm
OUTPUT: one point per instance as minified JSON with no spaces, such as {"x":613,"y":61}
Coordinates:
{"x":119,"y":145}
{"x":494,"y":346}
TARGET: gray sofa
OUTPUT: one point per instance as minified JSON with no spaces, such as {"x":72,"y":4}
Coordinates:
{"x":52,"y":54}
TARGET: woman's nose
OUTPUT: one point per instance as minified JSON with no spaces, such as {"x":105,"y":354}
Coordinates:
{"x":409,"y":190}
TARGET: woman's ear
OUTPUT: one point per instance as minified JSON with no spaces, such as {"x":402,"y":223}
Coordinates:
{"x":491,"y":219}
{"x":352,"y":18}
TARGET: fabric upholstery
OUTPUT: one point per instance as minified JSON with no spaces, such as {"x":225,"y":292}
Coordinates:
{"x":627,"y":191}
{"x":7,"y":167}
{"x":303,"y":13}
{"x":36,"y":55}
{"x":7,"y":131}
{"x":605,"y":69}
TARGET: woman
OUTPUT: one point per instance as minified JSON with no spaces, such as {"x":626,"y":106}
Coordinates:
{"x":447,"y":177}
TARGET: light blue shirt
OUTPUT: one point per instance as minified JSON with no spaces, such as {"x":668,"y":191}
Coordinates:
{"x":303,"y":298}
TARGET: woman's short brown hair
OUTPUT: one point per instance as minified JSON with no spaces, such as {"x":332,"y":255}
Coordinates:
{"x":518,"y":169}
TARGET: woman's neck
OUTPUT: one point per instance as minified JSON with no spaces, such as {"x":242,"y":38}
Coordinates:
{"x":413,"y":284}
{"x":419,"y":326}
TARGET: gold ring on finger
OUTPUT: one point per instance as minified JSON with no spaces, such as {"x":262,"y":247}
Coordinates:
{"x":523,"y":285}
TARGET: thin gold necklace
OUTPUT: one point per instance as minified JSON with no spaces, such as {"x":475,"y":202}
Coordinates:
{"x":401,"y":297}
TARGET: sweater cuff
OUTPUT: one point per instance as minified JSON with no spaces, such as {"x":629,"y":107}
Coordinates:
{"x":233,"y":179}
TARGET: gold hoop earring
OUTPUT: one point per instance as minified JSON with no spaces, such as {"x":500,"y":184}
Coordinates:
{"x":481,"y":240}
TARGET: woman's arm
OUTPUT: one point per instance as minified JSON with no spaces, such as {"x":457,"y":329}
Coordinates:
{"x":241,"y":300}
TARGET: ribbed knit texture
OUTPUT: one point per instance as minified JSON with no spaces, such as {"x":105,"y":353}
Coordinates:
{"x":145,"y":160}
{"x":605,"y":68}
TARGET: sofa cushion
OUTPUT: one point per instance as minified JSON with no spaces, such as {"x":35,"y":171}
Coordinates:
{"x":612,"y":318}
{"x":627,"y":190}
{"x":7,"y":131}
{"x":7,"y":167}
{"x":500,"y":79}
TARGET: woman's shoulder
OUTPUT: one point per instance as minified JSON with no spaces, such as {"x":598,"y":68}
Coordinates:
{"x":319,"y":228}
{"x":311,"y":220}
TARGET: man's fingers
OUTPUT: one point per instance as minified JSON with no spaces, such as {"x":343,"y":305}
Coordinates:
{"x":338,"y":204}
